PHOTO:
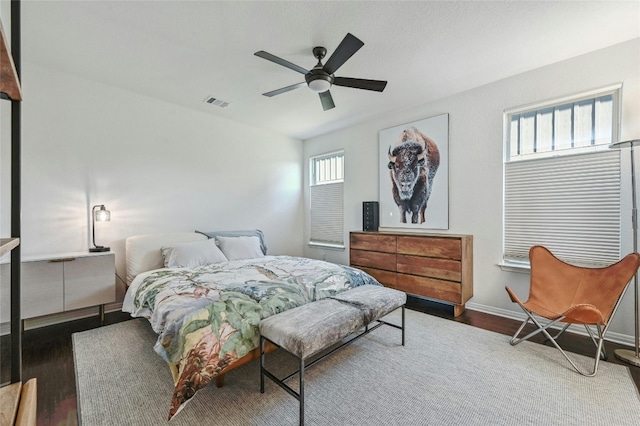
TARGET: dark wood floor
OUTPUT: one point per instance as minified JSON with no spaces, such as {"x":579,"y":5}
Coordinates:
{"x":48,"y":355}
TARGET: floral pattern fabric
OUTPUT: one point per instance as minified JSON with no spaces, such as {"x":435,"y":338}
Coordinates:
{"x":207,"y":318}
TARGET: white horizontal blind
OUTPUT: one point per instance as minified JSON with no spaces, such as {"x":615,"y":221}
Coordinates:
{"x":570,"y":204}
{"x":327,"y":214}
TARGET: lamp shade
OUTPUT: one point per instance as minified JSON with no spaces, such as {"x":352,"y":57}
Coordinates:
{"x":102,"y":214}
{"x":319,"y":85}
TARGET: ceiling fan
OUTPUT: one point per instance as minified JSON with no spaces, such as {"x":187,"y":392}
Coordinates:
{"x":320,"y":78}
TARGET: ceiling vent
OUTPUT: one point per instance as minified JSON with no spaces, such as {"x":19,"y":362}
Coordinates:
{"x":217,"y":102}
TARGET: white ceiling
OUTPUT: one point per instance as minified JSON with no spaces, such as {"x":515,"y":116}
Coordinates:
{"x":185,"y":51}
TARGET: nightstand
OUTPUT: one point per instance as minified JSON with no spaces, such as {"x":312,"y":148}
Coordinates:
{"x":62,"y":282}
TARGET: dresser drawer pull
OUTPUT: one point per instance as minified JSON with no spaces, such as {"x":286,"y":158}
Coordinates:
{"x":66,"y":259}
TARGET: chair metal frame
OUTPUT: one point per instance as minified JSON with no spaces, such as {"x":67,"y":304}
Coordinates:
{"x":598,"y":340}
{"x":570,"y":313}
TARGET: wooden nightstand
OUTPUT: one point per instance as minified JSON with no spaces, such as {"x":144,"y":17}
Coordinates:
{"x":59,"y":283}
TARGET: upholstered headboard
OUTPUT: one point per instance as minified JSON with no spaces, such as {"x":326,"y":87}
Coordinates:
{"x":143,"y":251}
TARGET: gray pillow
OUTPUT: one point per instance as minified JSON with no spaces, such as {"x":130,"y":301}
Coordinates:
{"x":237,"y":248}
{"x":193,"y":254}
{"x":242,"y":233}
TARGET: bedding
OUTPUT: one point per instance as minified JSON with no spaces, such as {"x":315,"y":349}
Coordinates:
{"x":207,"y":317}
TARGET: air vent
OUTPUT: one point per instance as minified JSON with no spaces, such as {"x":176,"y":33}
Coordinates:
{"x":217,"y":102}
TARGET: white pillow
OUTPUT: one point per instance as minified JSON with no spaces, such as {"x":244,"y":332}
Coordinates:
{"x":191,"y":255}
{"x":236,"y":248}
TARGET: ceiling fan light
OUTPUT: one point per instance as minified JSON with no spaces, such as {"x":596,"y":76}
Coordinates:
{"x":319,"y":85}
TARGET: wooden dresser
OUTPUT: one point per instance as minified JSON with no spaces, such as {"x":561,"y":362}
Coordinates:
{"x":435,"y":266}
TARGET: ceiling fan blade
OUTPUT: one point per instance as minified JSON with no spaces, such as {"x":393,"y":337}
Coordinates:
{"x":327,"y":100}
{"x":349,"y":45}
{"x":269,"y":57}
{"x":284,"y":89}
{"x":359,"y":83}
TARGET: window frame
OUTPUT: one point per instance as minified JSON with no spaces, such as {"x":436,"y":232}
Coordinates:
{"x":615,"y":90}
{"x":329,"y":189}
{"x":522,"y":264}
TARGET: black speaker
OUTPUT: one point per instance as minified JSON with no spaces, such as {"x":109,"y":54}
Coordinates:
{"x":370,"y":214}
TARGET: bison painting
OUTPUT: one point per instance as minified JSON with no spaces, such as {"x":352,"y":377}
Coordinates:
{"x":413,"y":163}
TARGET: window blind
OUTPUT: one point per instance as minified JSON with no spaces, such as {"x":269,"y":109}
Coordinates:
{"x":327,"y":214}
{"x":570,"y":204}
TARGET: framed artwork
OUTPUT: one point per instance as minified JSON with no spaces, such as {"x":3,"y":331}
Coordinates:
{"x":414,"y":174}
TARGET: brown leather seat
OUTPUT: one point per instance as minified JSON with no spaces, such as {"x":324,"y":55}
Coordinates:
{"x":564,"y":293}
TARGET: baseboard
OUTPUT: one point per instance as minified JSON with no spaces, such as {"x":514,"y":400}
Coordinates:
{"x":622,"y":339}
{"x":47,"y":320}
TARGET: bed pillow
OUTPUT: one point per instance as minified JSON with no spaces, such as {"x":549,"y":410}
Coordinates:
{"x":236,"y":248}
{"x":192,"y":254}
{"x":243,"y":233}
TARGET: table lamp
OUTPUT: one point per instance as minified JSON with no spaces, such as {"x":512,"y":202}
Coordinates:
{"x":100,"y":215}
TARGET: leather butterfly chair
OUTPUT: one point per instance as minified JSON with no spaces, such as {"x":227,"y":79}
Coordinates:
{"x":564,"y":293}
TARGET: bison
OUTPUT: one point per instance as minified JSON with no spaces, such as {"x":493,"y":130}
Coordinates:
{"x":413,"y":163}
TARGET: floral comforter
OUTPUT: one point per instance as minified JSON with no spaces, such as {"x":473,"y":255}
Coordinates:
{"x":207,"y":318}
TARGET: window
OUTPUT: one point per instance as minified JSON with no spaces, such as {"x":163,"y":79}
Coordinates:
{"x":577,"y":126}
{"x":561,"y":182}
{"x":326,"y":200}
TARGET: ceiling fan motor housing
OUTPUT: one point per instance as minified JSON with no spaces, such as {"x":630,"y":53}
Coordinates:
{"x":318,"y":80}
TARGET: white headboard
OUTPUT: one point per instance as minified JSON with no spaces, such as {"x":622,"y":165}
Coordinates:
{"x":143,"y":251}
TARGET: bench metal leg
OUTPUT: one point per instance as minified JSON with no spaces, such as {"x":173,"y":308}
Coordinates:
{"x":301,"y":392}
{"x":261,"y":364}
{"x":381,"y":322}
{"x":402,"y":325}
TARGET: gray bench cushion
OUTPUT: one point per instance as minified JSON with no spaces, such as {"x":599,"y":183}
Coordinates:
{"x":374,"y":301}
{"x":314,"y":326}
{"x":309,"y":328}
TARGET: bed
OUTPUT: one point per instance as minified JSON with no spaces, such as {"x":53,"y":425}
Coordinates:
{"x":205,"y":293}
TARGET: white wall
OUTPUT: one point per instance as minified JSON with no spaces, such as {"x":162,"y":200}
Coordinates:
{"x":476,"y":161}
{"x":156,"y":166}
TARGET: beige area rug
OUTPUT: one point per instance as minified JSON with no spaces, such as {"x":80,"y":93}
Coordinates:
{"x":447,"y":374}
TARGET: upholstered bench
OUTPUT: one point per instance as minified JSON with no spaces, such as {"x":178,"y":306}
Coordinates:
{"x":308,"y":329}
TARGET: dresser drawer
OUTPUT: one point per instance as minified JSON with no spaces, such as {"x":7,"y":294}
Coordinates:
{"x":374,"y":242}
{"x":446,"y":291}
{"x":373,"y":259}
{"x":40,"y":289}
{"x":386,"y":278}
{"x":89,"y":281}
{"x":444,"y":248}
{"x":430,"y":267}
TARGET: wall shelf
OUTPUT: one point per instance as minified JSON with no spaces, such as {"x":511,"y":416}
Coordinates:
{"x":9,"y":83}
{"x":8,"y":244}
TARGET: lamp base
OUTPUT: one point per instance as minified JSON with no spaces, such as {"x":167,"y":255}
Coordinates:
{"x":627,"y":355}
{"x":98,"y":249}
